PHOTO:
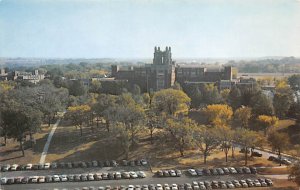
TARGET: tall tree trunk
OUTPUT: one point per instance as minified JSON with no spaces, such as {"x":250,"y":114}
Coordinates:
{"x":246,"y":156}
{"x":5,"y":137}
{"x":232,"y":151}
{"x":151,"y":134}
{"x":279,"y":156}
{"x":205,"y":157}
{"x":21,"y":146}
{"x":80,"y":130}
{"x":49,"y":121}
{"x":107,"y":125}
{"x":181,"y":147}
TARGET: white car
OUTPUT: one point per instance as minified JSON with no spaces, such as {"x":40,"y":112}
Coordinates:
{"x":192,"y":172}
{"x":166,"y":187}
{"x":144,"y":162}
{"x":14,"y":167}
{"x":172,"y":173}
{"x":42,"y":179}
{"x":34,"y":179}
{"x":6,"y":167}
{"x":28,"y":166}
{"x":133,"y":175}
{"x":130,"y":187}
{"x":56,"y":178}
{"x":3,"y":180}
{"x":174,"y":187}
{"x":141,"y":174}
{"x":63,"y":178}
{"x":91,"y":177}
{"x":47,"y":165}
{"x":159,"y":187}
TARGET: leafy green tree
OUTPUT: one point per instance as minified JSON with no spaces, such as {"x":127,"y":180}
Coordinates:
{"x":261,"y":105}
{"x":206,"y":139}
{"x":211,"y":94}
{"x":294,"y":82}
{"x":283,"y":99}
{"x":234,"y":98}
{"x":123,"y":137}
{"x":170,"y":101}
{"x":279,"y":142}
{"x":76,"y":88}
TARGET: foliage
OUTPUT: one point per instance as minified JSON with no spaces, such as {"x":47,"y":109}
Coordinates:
{"x":170,"y":101}
{"x":279,"y":141}
{"x":234,"y":98}
{"x":242,"y":116}
{"x":283,"y":98}
{"x":261,"y":105}
{"x":295,"y":173}
{"x":78,"y":115}
{"x":225,"y":137}
{"x":206,"y":139}
{"x":294,"y":82}
{"x":218,"y":114}
{"x":266,"y":122}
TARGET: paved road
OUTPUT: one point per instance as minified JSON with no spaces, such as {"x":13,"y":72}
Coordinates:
{"x":148,"y":180}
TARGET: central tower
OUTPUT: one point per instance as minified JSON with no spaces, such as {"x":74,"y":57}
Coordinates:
{"x":162,"y":57}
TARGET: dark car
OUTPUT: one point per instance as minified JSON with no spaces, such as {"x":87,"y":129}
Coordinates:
{"x":206,"y":171}
{"x":226,"y":170}
{"x":114,"y":163}
{"x":84,"y":177}
{"x":18,"y":179}
{"x":83,"y":164}
{"x":246,"y":170}
{"x":253,"y":170}
{"x":160,"y":173}
{"x":48,"y":178}
{"x":77,"y":177}
{"x":256,"y":154}
{"x":61,"y":165}
{"x":214,"y":171}
{"x":178,"y":173}
{"x":107,"y":163}
{"x":239,"y":170}
{"x":220,"y":171}
{"x":111,"y":176}
{"x":243,"y":150}
{"x":124,"y":162}
{"x":138,"y":162}
{"x":76,"y":164}
{"x":89,"y":164}
{"x":35,"y":167}
{"x":272,"y":158}
{"x":105,"y":176}
{"x":199,"y":172}
{"x":25,"y":180}
{"x":132,"y":163}
{"x":100,"y":163}
{"x":166,"y":173}
{"x":41,"y":166}
{"x":215,"y":185}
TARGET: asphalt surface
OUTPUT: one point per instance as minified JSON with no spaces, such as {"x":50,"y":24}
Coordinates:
{"x":148,"y":180}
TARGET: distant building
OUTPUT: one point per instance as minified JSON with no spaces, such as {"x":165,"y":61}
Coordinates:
{"x":3,"y":75}
{"x":33,"y":77}
{"x":163,"y":73}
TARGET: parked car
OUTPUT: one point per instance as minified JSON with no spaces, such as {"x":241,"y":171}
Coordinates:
{"x":69,"y":165}
{"x":18,"y":179}
{"x":215,"y":185}
{"x":166,"y":173}
{"x":126,"y":175}
{"x":84,"y":177}
{"x":124,"y":162}
{"x":114,"y":163}
{"x":256,"y":183}
{"x":53,"y":165}
{"x":130,"y":187}
{"x":269,"y":182}
{"x":138,"y":163}
{"x":256,"y":154}
{"x":214,"y":171}
{"x":56,"y":178}
{"x":42,"y":179}
{"x":172,"y":173}
{"x":97,"y":176}
{"x":232,"y":170}
{"x":111,"y":176}
{"x":118,"y":175}
{"x":272,"y":158}
{"x":133,"y":175}
{"x":243,"y":150}
{"x":243,"y":183}
{"x":25,"y":180}
{"x":41,"y":166}
{"x":47,"y":166}
{"x":222,"y":185}
{"x":105,"y":176}
{"x":132,"y":163}
{"x":236,"y":183}
{"x":230,"y":185}
{"x":178,"y":173}
{"x":34,"y":179}
{"x":246,"y":170}
{"x":95,"y":163}
{"x":226,"y":171}
{"x":141,"y":174}
{"x":144,"y":162}
{"x":160,"y":173}
{"x":107,"y":163}
{"x":199,"y":172}
{"x":63,"y":178}
{"x":192,"y":172}
{"x":239,"y":170}
{"x":253,"y":170}
{"x":77,"y":177}
{"x":61,"y":165}
{"x":48,"y":179}
{"x":206,"y":171}
{"x":6,"y":167}
{"x":91,"y":177}
{"x":220,"y":171}
{"x":10,"y":180}
{"x":14,"y":167}
{"x":3,"y":180}
{"x":83,"y":164}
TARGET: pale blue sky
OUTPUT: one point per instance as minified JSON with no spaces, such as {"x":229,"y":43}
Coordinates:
{"x":131,"y":28}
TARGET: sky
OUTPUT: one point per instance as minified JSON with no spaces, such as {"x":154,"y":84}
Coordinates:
{"x":131,"y":28}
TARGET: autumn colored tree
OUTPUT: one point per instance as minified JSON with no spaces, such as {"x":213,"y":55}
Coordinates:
{"x":279,"y":141}
{"x":218,"y":114}
{"x":172,"y":102}
{"x":181,"y":132}
{"x":225,"y":137}
{"x":247,"y":139}
{"x":283,"y":98}
{"x":266,"y":122}
{"x":295,"y":173}
{"x":242,"y":116}
{"x":206,"y":139}
{"x":78,"y":115}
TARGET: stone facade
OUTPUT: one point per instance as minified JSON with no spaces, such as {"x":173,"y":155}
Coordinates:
{"x":163,"y":73}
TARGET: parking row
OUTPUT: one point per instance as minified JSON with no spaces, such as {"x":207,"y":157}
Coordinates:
{"x":200,"y":185}
{"x":73,"y":178}
{"x":82,"y":164}
{"x":280,"y":160}
{"x":222,"y":171}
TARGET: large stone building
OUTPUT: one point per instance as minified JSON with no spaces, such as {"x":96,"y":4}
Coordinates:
{"x":163,"y":73}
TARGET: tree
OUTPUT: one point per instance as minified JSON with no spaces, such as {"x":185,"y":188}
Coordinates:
{"x":181,"y":132}
{"x":234,"y":98}
{"x":76,"y":88}
{"x":170,"y":101}
{"x":294,"y":82}
{"x":295,"y":173}
{"x":218,"y":114}
{"x":242,"y":116}
{"x":225,"y":137}
{"x":123,"y":137}
{"x":225,"y":95}
{"x":279,"y":141}
{"x":266,"y":122}
{"x":206,"y":139}
{"x":247,"y":139}
{"x":153,"y":121}
{"x":261,"y":105}
{"x":78,"y":115}
{"x":211,"y":94}
{"x":283,"y":98}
